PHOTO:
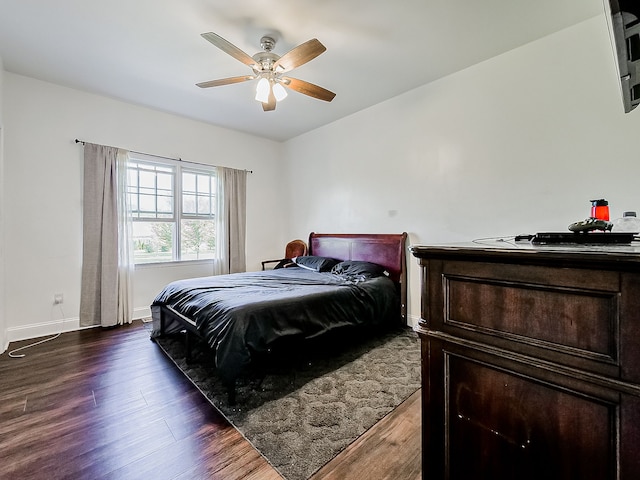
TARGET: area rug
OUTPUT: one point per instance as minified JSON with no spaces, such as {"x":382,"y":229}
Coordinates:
{"x":301,"y":404}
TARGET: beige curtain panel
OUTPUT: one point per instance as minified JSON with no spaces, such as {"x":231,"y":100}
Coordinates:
{"x":232,"y":226}
{"x":105,"y":291}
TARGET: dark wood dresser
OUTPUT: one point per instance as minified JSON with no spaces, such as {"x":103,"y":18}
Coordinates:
{"x":530,"y":362}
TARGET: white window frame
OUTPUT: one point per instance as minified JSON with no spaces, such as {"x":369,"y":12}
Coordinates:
{"x":178,"y":168}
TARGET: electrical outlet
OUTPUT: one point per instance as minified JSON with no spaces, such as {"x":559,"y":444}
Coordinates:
{"x":58,"y":299}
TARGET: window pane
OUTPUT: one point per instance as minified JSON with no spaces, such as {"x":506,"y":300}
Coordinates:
{"x":165,"y":204}
{"x":132,"y":178}
{"x":147,"y":203}
{"x":203,"y":183}
{"x":153,"y":241}
{"x":151,"y":190}
{"x":133,"y":202}
{"x":198,"y":195}
{"x":189,"y":204}
{"x":204,"y":205}
{"x":147,"y":179}
{"x":198,"y":239}
{"x":188,"y":182}
{"x":165,"y":182}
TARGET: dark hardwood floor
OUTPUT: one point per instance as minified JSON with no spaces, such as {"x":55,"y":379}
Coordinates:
{"x":108,"y":404}
{"x":389,"y":450}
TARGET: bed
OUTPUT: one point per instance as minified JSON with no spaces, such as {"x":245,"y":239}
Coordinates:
{"x":345,"y":280}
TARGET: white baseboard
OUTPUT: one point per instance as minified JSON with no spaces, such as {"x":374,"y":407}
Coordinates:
{"x":44,"y":329}
{"x":141,"y":312}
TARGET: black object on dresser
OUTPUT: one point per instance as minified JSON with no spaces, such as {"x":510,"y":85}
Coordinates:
{"x":531,"y":362}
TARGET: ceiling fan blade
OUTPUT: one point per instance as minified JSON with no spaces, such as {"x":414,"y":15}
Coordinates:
{"x":229,"y":48}
{"x":299,"y":56}
{"x":308,"y":88}
{"x":270,"y":104}
{"x":225,"y":81}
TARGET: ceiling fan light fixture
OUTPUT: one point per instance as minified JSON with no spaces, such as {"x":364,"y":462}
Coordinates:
{"x":262,"y":90}
{"x":268,"y":68}
{"x":279,"y":92}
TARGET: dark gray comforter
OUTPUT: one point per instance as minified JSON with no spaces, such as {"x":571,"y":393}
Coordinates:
{"x":241,"y":312}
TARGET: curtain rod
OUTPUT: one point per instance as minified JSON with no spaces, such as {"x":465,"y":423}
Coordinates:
{"x":168,"y":158}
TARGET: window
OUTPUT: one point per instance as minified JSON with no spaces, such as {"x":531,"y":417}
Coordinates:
{"x":173,"y":210}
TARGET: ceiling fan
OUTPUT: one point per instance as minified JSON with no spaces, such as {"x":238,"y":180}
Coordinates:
{"x":269,"y":68}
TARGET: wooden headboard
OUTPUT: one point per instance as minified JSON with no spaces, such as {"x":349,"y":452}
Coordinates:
{"x":388,"y":250}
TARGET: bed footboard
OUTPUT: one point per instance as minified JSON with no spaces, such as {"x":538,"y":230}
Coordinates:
{"x":168,"y":315}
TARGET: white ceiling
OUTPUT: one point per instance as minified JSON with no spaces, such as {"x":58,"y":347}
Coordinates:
{"x":150,"y":52}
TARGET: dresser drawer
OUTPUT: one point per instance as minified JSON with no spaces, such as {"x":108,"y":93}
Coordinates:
{"x":546,"y":311}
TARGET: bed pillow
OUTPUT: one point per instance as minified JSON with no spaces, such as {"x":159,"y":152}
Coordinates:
{"x":317,"y":264}
{"x":356,"y":268}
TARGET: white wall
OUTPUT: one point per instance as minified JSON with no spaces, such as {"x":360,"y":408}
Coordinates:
{"x":43,"y":187}
{"x":3,"y":323}
{"x":516,"y":144}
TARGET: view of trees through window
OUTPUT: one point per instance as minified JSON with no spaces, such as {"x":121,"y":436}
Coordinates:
{"x":198,"y":239}
{"x":173,"y":212}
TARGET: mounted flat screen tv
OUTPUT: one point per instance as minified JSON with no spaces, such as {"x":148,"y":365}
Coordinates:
{"x":623,"y":18}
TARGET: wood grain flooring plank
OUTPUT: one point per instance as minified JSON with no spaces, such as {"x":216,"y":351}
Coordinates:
{"x":108,"y":404}
{"x":390,"y":450}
